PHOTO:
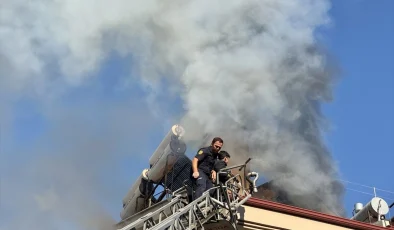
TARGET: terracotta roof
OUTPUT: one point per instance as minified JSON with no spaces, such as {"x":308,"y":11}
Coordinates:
{"x":313,"y":215}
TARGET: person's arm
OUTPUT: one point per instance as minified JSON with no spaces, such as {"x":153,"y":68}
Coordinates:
{"x":194,"y":165}
{"x":199,"y":156}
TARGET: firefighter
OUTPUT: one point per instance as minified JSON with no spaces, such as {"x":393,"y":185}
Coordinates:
{"x":220,"y":163}
{"x":202,"y":167}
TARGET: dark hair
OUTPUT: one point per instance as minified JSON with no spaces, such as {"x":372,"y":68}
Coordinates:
{"x":217,"y":139}
{"x":223,"y":154}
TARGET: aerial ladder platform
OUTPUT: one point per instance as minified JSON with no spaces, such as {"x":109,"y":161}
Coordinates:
{"x":220,"y":203}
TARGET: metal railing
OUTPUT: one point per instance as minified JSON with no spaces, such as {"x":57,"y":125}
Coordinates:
{"x":178,"y":213}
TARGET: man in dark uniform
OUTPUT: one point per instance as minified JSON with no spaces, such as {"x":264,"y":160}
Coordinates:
{"x":202,"y":167}
{"x":221,"y":163}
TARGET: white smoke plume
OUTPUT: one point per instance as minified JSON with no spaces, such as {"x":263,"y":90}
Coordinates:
{"x":250,"y":71}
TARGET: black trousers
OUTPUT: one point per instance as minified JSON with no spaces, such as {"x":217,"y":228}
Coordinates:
{"x":202,"y":184}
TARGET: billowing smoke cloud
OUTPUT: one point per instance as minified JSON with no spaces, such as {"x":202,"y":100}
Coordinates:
{"x":250,"y":71}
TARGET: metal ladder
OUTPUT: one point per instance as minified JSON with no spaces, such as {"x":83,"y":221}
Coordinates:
{"x":191,"y":216}
{"x":176,"y":213}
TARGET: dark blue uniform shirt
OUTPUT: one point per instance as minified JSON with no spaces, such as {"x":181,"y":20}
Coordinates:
{"x":206,"y":159}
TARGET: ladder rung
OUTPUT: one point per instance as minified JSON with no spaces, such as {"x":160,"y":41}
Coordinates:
{"x":200,"y":210}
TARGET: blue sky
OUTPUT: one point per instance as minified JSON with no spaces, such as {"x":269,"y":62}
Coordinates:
{"x":362,"y":113}
{"x":361,"y":117}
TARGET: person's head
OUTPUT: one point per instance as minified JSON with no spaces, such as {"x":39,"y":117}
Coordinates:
{"x":217,"y":144}
{"x":224,"y":155}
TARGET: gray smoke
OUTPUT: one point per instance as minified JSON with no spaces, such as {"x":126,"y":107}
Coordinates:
{"x":250,"y":71}
{"x":69,"y":178}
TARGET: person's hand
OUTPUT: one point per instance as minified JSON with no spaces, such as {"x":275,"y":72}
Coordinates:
{"x":213,"y":174}
{"x":196,"y":175}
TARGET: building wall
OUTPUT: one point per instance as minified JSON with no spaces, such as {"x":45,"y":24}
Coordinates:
{"x":286,"y":217}
{"x":255,"y":218}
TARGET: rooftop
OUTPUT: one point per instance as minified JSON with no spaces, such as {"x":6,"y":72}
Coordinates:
{"x":313,"y":215}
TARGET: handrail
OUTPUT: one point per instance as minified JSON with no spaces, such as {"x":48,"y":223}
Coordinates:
{"x":179,"y":214}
